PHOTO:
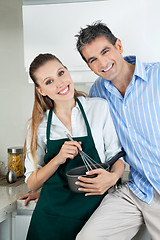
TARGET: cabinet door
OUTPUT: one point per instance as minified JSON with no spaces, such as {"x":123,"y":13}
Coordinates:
{"x":20,"y":224}
{"x":5,"y":228}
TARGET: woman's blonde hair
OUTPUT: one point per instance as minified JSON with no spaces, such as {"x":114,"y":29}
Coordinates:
{"x":41,"y":103}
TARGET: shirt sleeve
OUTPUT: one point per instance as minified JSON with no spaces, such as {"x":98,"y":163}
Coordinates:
{"x":40,"y":152}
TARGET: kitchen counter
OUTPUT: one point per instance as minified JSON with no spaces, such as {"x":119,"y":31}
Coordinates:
{"x":10,"y":205}
{"x":9,"y":194}
{"x":14,"y":216}
{"x":9,"y":199}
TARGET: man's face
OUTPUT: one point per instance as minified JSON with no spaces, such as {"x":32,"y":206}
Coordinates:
{"x":104,"y":59}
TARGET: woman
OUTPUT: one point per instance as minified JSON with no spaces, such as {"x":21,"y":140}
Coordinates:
{"x":58,"y":107}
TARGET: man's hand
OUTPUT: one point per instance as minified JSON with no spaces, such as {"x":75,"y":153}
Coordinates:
{"x":30,"y":196}
{"x":98,"y":185}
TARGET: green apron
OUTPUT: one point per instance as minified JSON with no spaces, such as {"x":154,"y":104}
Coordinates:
{"x":60,"y":213}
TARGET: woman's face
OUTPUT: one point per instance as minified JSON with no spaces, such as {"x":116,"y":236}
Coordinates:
{"x":55,"y":81}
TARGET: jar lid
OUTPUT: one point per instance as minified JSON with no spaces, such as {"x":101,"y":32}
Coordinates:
{"x":15,"y":150}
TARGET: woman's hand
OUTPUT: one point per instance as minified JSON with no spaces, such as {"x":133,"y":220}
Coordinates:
{"x":103,"y":181}
{"x":68,"y":150}
{"x":98,"y":185}
{"x":30,"y":196}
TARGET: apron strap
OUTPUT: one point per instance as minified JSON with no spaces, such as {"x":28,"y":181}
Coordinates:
{"x":49,"y":123}
{"x":83,"y":114}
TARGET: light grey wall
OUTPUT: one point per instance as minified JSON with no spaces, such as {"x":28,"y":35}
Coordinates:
{"x":55,"y":25}
{"x":16,"y":96}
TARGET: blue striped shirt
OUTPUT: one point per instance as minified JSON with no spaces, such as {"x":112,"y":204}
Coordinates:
{"x":137,"y":122}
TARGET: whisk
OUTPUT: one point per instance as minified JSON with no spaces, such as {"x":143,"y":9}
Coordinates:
{"x":89,"y":163}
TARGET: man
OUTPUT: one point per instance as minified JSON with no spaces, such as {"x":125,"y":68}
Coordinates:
{"x":132,"y":89}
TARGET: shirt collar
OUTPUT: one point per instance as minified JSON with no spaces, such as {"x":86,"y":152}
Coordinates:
{"x":55,"y":119}
{"x":139,"y":67}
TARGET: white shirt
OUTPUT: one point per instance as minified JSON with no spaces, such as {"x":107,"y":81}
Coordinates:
{"x":102,"y":129}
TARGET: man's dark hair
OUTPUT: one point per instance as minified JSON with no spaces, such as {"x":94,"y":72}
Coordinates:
{"x":90,"y":33}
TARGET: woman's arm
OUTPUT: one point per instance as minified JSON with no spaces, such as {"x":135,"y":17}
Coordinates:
{"x":68,"y":150}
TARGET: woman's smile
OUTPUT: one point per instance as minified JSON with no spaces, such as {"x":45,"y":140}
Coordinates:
{"x":64,"y":91}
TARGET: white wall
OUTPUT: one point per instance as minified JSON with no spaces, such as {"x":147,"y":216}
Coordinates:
{"x":15,"y":93}
{"x":135,"y":22}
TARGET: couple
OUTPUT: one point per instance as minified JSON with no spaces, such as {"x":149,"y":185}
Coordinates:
{"x":132,"y":91}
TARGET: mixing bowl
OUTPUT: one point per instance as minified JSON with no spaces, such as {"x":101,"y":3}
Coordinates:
{"x":73,"y":174}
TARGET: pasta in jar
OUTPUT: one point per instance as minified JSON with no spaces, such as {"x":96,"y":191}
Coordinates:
{"x":16,"y":160}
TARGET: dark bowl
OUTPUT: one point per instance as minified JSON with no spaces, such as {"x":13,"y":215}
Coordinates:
{"x":73,"y":174}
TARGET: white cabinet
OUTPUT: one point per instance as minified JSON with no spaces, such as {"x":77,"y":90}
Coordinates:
{"x":20,"y":224}
{"x":15,"y":226}
{"x":5,"y":227}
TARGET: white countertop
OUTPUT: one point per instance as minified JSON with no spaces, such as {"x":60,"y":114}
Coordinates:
{"x":9,"y":199}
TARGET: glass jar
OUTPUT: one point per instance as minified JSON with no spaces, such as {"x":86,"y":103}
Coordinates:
{"x":16,"y":160}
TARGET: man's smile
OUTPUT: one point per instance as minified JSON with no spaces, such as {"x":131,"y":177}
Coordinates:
{"x":107,"y":69}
